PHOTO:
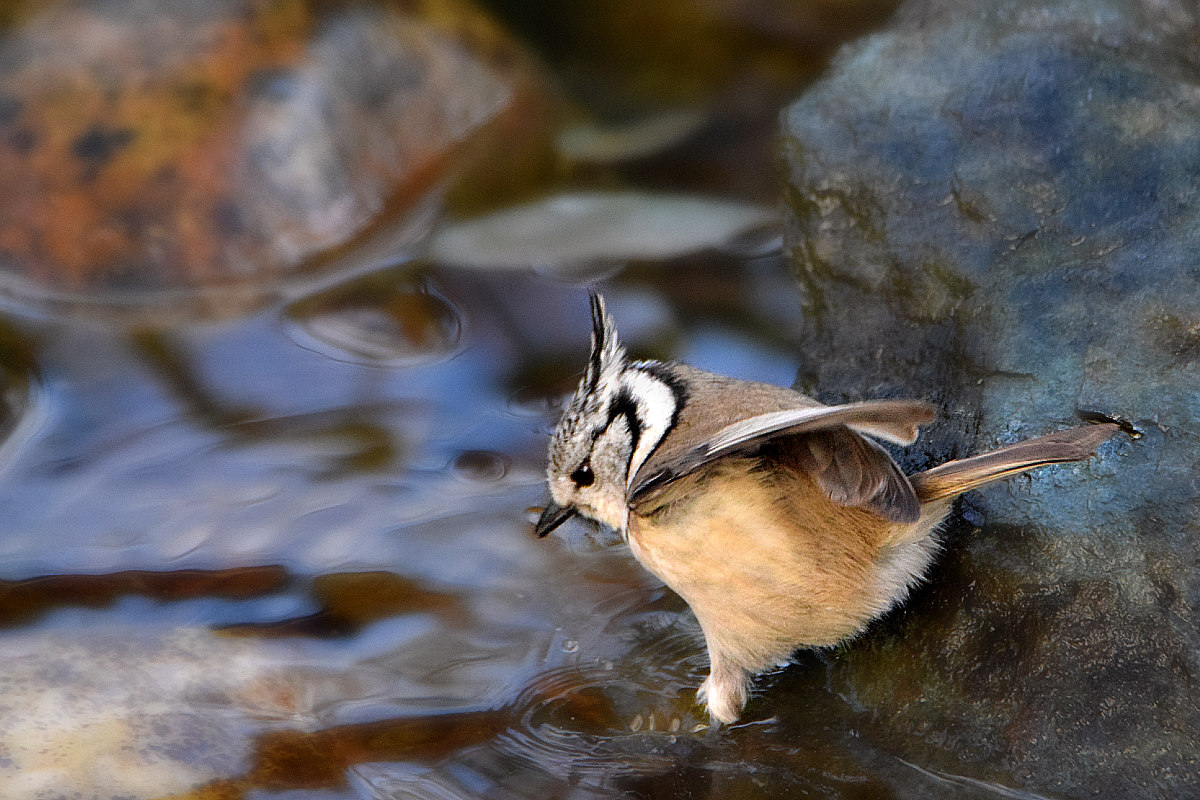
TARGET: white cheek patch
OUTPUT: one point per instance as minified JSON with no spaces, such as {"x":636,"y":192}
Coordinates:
{"x":656,"y":406}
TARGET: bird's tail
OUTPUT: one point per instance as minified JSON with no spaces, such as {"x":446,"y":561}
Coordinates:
{"x":956,"y":477}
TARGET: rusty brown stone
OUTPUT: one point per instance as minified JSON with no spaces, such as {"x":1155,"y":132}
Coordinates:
{"x":147,"y":155}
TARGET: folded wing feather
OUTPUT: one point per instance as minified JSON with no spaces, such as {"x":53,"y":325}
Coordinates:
{"x":852,"y":470}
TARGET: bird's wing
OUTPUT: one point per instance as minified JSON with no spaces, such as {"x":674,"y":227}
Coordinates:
{"x":852,"y":470}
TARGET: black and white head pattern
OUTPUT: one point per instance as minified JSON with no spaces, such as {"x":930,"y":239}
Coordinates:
{"x":642,"y":395}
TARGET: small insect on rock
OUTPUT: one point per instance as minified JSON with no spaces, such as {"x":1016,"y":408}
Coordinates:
{"x":780,"y":520}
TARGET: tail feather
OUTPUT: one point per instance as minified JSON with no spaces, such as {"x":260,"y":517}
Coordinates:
{"x":956,"y":477}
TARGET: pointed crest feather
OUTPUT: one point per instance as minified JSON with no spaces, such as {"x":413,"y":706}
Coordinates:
{"x":608,"y":356}
{"x":599,"y":383}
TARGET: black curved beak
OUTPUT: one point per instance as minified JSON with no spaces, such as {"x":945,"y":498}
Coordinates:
{"x":552,"y":516}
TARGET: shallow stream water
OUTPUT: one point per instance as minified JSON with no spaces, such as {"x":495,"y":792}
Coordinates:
{"x":265,"y":561}
{"x":289,"y":554}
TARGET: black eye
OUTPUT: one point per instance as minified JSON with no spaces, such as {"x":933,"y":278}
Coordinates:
{"x":583,"y":476}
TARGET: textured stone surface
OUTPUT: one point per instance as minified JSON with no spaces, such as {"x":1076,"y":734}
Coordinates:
{"x":998,"y":211}
{"x":154,"y":150}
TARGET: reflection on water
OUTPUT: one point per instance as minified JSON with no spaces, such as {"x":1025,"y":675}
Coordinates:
{"x":367,"y":522}
{"x":270,"y":570}
{"x":25,"y":601}
{"x":290,"y":554}
{"x":378,"y":320}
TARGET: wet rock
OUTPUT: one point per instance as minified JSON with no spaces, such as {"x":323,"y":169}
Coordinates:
{"x":154,"y":151}
{"x":997,"y":210}
{"x":115,"y":715}
{"x":147,"y":712}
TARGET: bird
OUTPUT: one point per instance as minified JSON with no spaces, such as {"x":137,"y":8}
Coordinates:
{"x":782,"y":522}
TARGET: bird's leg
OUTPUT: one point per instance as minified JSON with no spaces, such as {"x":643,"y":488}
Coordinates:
{"x":726,"y":688}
